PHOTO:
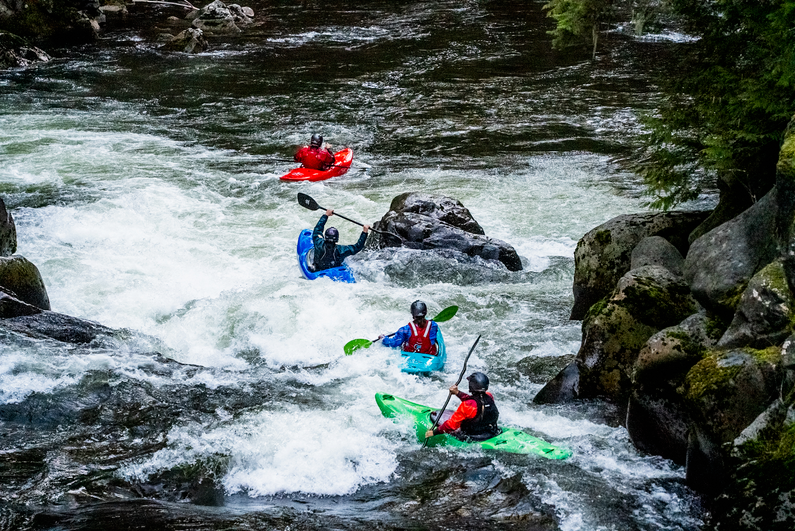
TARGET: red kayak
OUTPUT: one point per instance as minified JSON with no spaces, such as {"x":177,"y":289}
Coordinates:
{"x":342,"y":161}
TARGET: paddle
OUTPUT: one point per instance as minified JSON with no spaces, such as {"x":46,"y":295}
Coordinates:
{"x":354,"y":345}
{"x":460,"y":376}
{"x":307,"y":202}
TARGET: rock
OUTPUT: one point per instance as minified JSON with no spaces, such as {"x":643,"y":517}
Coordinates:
{"x":603,"y":255}
{"x":656,"y":250}
{"x":440,"y":207}
{"x":52,"y":325}
{"x":215,"y":18}
{"x":418,"y":224}
{"x":240,"y":14}
{"x":61,"y":23}
{"x":22,"y":279}
{"x":765,"y":313}
{"x":720,"y":264}
{"x":614,"y":332}
{"x":190,"y":40}
{"x":10,"y":306}
{"x":657,"y":420}
{"x":16,"y":52}
{"x":8,"y":232}
{"x":724,"y":393}
{"x":542,"y":369}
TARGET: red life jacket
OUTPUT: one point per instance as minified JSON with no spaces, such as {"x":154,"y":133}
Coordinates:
{"x":419,"y":340}
{"x":315,"y":158}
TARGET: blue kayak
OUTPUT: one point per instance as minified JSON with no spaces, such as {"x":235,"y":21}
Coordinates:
{"x":305,"y":250}
{"x":415,"y":362}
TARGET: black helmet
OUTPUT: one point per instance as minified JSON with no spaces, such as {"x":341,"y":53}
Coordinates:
{"x":418,"y":309}
{"x":332,"y":235}
{"x":478,"y":382}
{"x":316,"y":141}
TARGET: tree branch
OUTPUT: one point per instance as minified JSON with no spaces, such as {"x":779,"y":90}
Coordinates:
{"x":185,"y":4}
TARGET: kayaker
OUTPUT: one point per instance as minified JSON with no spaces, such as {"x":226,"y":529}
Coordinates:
{"x":417,"y":336}
{"x":315,"y":156}
{"x":327,"y":253}
{"x":476,"y":416}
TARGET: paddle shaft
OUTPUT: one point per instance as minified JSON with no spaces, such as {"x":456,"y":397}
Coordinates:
{"x":460,"y":377}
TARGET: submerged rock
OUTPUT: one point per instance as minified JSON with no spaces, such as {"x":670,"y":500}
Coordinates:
{"x":14,"y":52}
{"x":53,"y":325}
{"x":190,"y":40}
{"x":425,"y":221}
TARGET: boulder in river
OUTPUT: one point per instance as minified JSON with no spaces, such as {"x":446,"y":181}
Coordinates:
{"x":190,"y":40}
{"x":21,"y":278}
{"x":604,"y":254}
{"x":8,"y":231}
{"x":16,"y":51}
{"x":216,"y":18}
{"x":427,"y":221}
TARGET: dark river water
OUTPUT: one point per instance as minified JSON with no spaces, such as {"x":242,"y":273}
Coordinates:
{"x":145,"y":186}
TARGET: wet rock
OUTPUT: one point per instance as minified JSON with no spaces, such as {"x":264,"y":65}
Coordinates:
{"x":216,"y":18}
{"x":13,"y":307}
{"x":422,"y":226}
{"x":241,"y":14}
{"x":542,"y":369}
{"x":604,"y":254}
{"x":65,"y":22}
{"x":657,"y":419}
{"x":646,"y":300}
{"x":190,"y":40}
{"x":656,"y":250}
{"x":22,"y":279}
{"x":52,"y":325}
{"x":15,"y":52}
{"x":720,"y":264}
{"x":8,"y":230}
{"x":765,"y":312}
{"x":439,"y":207}
{"x":724,"y":393}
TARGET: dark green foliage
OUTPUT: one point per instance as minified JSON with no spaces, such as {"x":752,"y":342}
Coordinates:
{"x":727,"y":102}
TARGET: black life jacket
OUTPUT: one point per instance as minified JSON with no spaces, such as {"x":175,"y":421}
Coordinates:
{"x":484,"y":425}
{"x":330,"y":257}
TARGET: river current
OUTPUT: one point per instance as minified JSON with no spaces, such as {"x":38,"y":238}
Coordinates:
{"x":145,"y":186}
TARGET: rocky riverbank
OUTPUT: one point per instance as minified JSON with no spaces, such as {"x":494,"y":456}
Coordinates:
{"x":691,"y":336}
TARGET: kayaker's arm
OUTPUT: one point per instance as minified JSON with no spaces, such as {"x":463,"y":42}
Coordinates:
{"x":400,"y":337}
{"x":317,"y":234}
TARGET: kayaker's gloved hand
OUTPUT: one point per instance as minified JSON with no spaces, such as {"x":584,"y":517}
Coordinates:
{"x":429,"y":434}
{"x":454,"y":390}
{"x":329,"y":212}
{"x":366,"y":229}
{"x":380,"y":337}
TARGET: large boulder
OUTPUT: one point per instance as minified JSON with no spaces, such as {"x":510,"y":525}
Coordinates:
{"x":57,"y":326}
{"x":720,"y":264}
{"x":657,"y":419}
{"x":10,"y":306}
{"x":614,"y":332}
{"x":604,"y":254}
{"x":423,"y":226}
{"x":765,"y":312}
{"x":656,"y":250}
{"x":21,"y":279}
{"x":216,"y":18}
{"x":724,"y":393}
{"x":61,"y":22}
{"x":8,"y":231}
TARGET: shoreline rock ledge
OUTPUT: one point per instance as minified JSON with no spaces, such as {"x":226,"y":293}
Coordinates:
{"x":696,"y":346}
{"x":429,"y":221}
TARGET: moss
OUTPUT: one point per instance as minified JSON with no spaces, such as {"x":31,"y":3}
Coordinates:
{"x":770,"y":355}
{"x":596,"y":309}
{"x":603,"y":237}
{"x":786,"y":157}
{"x":732,"y":298}
{"x":716,"y":327}
{"x":706,"y":376}
{"x":687,"y":345}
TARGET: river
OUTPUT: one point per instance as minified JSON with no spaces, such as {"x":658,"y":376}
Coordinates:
{"x":145,"y":186}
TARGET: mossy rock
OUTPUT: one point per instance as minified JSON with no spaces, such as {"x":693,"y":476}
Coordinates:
{"x":22,"y":279}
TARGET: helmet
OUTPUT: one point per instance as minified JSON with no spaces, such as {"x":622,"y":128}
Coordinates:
{"x":316,"y":141}
{"x":418,"y":309}
{"x":478,"y":382}
{"x":332,"y":235}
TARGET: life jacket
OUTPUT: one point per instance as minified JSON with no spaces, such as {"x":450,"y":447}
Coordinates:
{"x":484,"y":424}
{"x":419,"y":341}
{"x":329,"y":257}
{"x":315,"y":158}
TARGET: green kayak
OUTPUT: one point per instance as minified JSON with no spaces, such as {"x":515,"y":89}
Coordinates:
{"x":510,"y":440}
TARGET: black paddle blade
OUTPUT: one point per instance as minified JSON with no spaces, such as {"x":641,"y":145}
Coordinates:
{"x":307,"y":202}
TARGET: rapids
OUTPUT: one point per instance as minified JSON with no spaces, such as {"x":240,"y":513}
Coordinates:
{"x":145,"y":187}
